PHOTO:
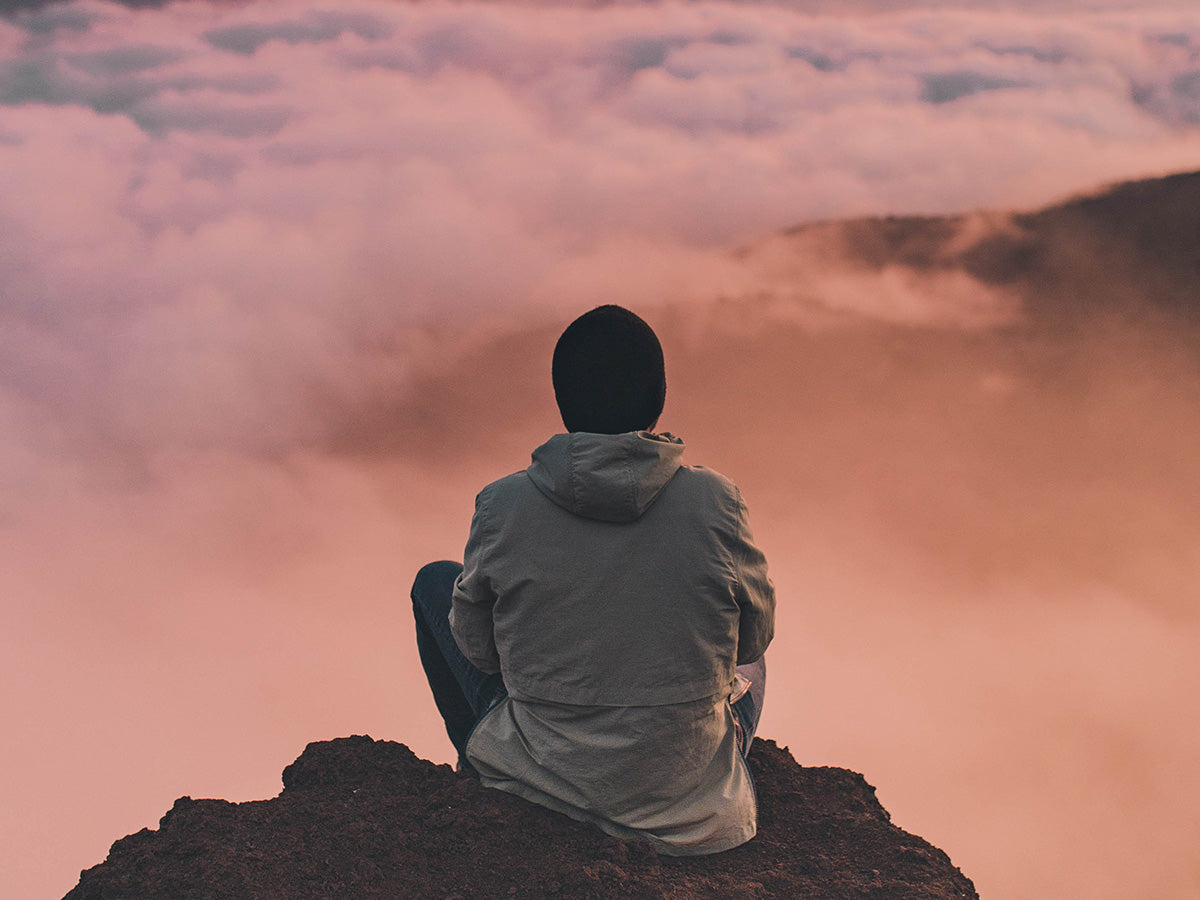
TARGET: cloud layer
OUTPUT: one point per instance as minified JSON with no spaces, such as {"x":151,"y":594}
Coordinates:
{"x":209,"y":210}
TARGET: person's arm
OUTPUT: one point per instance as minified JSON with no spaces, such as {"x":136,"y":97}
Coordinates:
{"x":754,"y":592}
{"x":471,"y":607}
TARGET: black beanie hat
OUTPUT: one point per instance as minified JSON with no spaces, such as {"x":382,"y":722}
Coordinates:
{"x":608,"y":373}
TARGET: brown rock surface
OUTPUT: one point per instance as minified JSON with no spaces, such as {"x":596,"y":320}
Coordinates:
{"x":364,"y":818}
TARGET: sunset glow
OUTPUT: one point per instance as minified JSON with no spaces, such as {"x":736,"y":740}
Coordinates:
{"x":279,"y":283}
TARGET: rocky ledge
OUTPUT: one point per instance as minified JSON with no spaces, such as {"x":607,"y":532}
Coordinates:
{"x":359,"y":818}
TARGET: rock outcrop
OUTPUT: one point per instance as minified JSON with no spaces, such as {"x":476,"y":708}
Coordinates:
{"x":359,"y":818}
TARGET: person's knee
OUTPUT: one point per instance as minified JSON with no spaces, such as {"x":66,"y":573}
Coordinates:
{"x":434,"y":584}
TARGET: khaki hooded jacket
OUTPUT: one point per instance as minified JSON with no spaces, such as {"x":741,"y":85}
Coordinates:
{"x":616,"y":590}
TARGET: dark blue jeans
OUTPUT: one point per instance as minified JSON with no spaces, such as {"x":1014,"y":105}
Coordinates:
{"x":748,"y":709}
{"x":463,"y":693}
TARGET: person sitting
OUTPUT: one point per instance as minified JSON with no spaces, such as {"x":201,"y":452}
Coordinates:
{"x":600,"y":651}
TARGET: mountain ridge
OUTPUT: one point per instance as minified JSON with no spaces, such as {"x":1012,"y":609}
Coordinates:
{"x":1125,"y":248}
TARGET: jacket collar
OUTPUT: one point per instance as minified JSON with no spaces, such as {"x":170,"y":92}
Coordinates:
{"x":608,"y":477}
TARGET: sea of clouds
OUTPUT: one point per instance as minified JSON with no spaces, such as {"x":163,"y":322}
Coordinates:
{"x":208,"y":209}
{"x":222,"y":226}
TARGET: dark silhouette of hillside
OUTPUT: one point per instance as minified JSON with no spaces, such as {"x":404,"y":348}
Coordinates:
{"x":1136,"y":245}
{"x":363,"y":818}
{"x":1133,"y":249}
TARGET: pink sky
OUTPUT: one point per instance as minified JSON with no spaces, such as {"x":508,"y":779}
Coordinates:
{"x":278,"y":288}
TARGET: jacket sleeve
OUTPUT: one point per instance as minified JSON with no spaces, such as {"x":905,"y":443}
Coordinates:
{"x":473,"y":600}
{"x":754,"y":592}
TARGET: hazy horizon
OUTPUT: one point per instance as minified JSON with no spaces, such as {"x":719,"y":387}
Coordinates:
{"x":278,"y":290}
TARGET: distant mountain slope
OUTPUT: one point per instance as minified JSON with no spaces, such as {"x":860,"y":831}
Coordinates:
{"x":1134,"y":249}
{"x":362,"y":818}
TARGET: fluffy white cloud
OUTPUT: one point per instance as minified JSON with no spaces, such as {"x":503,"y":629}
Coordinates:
{"x":203,"y":197}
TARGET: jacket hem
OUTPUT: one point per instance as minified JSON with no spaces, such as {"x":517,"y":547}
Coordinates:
{"x":664,"y":847}
{"x":707,"y":690}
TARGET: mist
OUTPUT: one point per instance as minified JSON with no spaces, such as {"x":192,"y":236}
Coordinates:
{"x":278,"y":290}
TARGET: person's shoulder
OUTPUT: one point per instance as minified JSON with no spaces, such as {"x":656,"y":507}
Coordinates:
{"x":504,"y":488}
{"x":703,"y":475}
{"x":703,"y":480}
{"x":507,"y":483}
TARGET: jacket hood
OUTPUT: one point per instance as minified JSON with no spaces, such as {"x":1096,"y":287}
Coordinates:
{"x":608,"y":477}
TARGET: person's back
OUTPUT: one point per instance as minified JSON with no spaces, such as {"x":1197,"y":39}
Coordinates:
{"x":607,"y":594}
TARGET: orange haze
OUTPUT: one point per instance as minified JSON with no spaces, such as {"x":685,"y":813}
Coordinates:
{"x":279,"y":283}
{"x":985,"y":550}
